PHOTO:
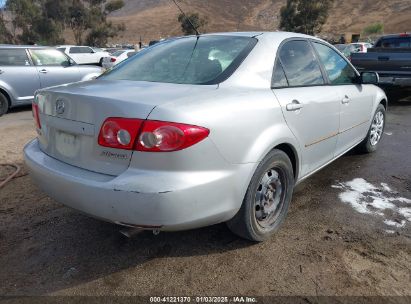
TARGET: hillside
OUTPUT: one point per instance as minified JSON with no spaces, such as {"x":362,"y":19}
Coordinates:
{"x":153,"y":19}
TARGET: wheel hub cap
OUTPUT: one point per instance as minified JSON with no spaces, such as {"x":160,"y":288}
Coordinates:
{"x":377,"y":128}
{"x":268,"y":198}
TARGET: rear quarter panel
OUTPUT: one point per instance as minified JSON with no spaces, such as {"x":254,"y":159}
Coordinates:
{"x":245,"y":124}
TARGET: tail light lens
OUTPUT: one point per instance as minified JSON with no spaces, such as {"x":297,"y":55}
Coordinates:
{"x":119,"y":133}
{"x":160,"y":136}
{"x":113,"y":59}
{"x":149,"y":135}
{"x":36,"y":116}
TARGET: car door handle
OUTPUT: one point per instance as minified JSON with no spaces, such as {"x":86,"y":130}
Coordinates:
{"x":44,"y":71}
{"x":345,"y":100}
{"x":295,"y":105}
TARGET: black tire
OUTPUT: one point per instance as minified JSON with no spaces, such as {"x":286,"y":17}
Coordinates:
{"x":249,"y":222}
{"x":368,"y":145}
{"x":4,"y":104}
{"x":100,"y":63}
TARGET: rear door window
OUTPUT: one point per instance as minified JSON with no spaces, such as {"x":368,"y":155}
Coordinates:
{"x":279,"y":80}
{"x":300,"y":64}
{"x":14,"y":57}
{"x":49,"y":57}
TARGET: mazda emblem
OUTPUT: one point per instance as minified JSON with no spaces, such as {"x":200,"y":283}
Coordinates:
{"x":60,"y":106}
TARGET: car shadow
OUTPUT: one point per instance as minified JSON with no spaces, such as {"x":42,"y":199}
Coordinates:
{"x":20,"y":109}
{"x":65,"y":249}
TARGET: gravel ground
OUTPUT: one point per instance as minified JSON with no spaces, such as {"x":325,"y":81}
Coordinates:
{"x":325,"y":246}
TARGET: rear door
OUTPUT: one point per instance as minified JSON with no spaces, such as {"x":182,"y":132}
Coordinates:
{"x":356,"y":100}
{"x":310,"y":107}
{"x":83,"y":55}
{"x":54,"y":67}
{"x":18,"y":75}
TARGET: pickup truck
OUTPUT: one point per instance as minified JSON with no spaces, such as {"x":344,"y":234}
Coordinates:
{"x":391,"y":59}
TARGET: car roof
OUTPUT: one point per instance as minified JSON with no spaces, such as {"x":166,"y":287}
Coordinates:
{"x":399,"y":35}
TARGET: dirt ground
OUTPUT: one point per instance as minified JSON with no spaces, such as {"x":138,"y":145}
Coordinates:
{"x":325,"y":246}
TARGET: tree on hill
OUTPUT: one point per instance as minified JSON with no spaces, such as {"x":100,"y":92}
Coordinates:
{"x":196,"y":21}
{"x":374,"y":29}
{"x":304,"y":16}
{"x":44,"y":21}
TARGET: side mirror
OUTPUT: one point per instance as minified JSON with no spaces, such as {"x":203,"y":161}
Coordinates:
{"x":369,"y":78}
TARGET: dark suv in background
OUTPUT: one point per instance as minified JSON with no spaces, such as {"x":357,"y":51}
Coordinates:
{"x":391,"y":59}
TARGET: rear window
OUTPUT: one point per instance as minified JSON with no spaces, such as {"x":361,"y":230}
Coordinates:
{"x":394,"y":42}
{"x":14,"y":57}
{"x":188,"y":60}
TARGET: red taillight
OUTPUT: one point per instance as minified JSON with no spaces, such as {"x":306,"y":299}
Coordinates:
{"x":36,"y":116}
{"x":119,"y":133}
{"x":149,"y":135}
{"x":113,"y":59}
{"x":161,"y":136}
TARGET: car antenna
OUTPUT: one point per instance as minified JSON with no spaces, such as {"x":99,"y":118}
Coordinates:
{"x":189,"y":21}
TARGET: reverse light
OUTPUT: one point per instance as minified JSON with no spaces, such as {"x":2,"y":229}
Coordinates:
{"x":36,"y":115}
{"x":149,"y":135}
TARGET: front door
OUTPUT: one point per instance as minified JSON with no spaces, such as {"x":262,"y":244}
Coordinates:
{"x":310,"y":108}
{"x":356,"y":100}
{"x":54,"y":67}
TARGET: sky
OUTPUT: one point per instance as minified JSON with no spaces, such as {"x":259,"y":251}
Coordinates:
{"x":2,"y":2}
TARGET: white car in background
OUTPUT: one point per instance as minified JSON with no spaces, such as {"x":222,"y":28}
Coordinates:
{"x":117,"y":57}
{"x":361,"y":47}
{"x":84,"y":54}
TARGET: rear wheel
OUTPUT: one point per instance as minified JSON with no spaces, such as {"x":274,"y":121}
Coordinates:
{"x":374,"y":135}
{"x":267,"y":199}
{"x":4,"y":104}
{"x":100,"y":63}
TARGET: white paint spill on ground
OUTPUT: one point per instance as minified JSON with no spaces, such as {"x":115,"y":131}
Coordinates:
{"x":366,"y":198}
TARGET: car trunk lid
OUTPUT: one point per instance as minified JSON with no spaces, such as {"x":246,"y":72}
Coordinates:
{"x":71,"y":117}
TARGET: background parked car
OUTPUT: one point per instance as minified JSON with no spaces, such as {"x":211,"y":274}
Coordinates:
{"x":24,"y":69}
{"x":84,"y":54}
{"x":117,"y":57}
{"x":347,"y":49}
{"x":391,"y":58}
{"x":361,"y":47}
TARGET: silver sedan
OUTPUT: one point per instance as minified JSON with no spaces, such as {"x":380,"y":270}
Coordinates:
{"x":25,"y":69}
{"x":204,"y":129}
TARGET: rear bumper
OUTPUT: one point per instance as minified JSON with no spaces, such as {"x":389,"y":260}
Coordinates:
{"x":197,"y":199}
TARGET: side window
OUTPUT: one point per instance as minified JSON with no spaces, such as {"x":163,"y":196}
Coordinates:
{"x":14,"y":57}
{"x":394,"y":42}
{"x":338,"y":69}
{"x":279,"y":80}
{"x":300,"y":65}
{"x":75,"y":50}
{"x":85,"y":50}
{"x":49,"y":57}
